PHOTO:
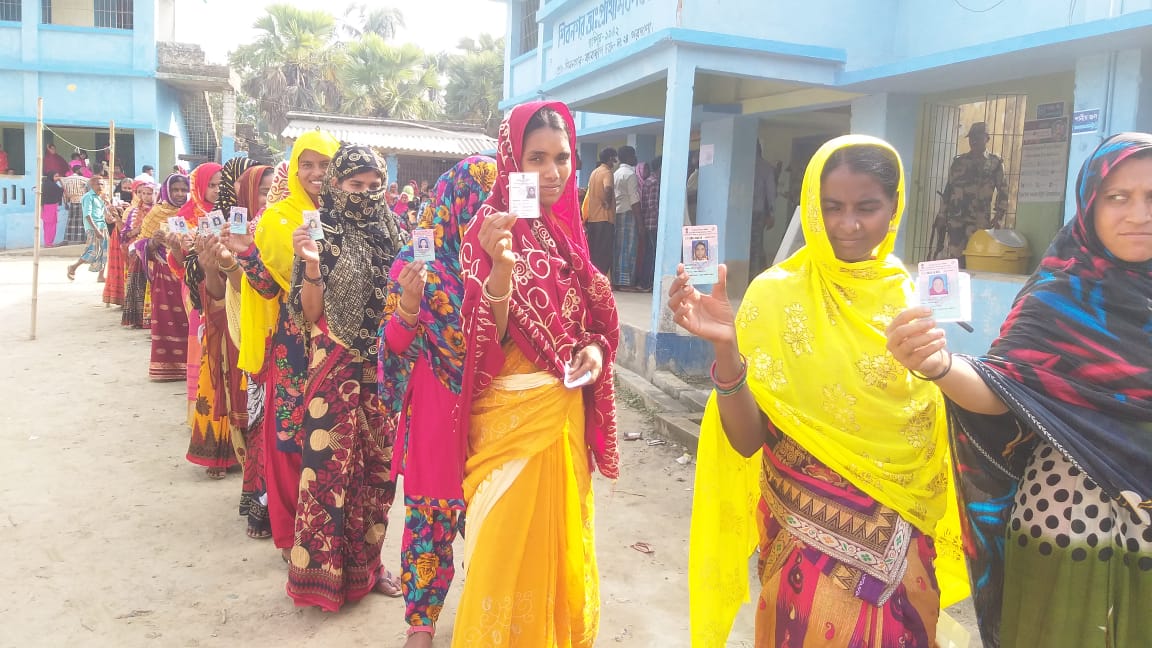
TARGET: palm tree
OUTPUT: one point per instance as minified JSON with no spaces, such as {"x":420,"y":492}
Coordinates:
{"x":476,"y":83}
{"x":292,"y":65}
{"x":382,"y":80}
{"x":359,"y":20}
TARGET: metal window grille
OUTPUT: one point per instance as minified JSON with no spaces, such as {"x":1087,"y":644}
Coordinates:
{"x":942,"y":138}
{"x":115,"y":14}
{"x":10,"y":10}
{"x":529,"y":29}
{"x":46,"y":12}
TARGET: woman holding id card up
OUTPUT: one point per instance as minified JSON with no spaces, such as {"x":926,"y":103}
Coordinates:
{"x":421,"y":369}
{"x":541,"y":328}
{"x":339,"y":284}
{"x":816,"y":444}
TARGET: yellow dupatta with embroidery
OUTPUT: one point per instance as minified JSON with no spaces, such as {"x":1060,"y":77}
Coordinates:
{"x":813,"y":331}
{"x":273,"y":238}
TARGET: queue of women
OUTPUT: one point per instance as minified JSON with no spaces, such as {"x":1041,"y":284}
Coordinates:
{"x":880,"y":476}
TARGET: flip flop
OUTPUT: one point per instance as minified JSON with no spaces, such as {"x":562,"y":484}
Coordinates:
{"x":71,"y":274}
{"x":216,"y":473}
{"x":388,"y":585}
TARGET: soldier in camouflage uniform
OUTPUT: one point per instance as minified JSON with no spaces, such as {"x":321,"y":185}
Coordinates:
{"x":972,"y":179}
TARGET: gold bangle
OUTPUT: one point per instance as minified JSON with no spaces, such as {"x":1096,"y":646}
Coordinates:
{"x":496,"y":300}
{"x":405,"y":313}
{"x":232,"y":268}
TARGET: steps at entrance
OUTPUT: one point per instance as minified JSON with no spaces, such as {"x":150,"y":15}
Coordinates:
{"x":676,"y":406}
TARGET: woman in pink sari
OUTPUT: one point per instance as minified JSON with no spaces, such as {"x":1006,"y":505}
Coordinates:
{"x":421,"y":369}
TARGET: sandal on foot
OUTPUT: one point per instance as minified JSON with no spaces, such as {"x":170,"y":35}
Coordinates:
{"x":217,"y":473}
{"x":388,"y":585}
{"x":259,"y":534}
{"x":71,"y":274}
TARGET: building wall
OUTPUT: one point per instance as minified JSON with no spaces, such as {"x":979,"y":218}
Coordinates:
{"x":87,"y":76}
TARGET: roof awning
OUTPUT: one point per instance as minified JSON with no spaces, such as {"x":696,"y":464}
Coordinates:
{"x":393,"y":135}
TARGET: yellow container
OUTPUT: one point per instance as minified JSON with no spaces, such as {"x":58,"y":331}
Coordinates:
{"x":997,"y":250}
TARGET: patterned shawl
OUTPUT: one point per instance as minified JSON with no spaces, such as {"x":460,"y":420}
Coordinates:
{"x":440,"y":331}
{"x":813,"y":331}
{"x":560,"y":302}
{"x":230,"y":182}
{"x":360,"y":241}
{"x":1074,"y":365}
{"x":198,"y":204}
{"x":157,"y":218}
{"x":280,"y":187}
{"x":248,"y":192}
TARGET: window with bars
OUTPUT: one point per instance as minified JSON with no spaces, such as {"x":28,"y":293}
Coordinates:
{"x":46,"y":12}
{"x":529,"y":29}
{"x":10,"y":10}
{"x":115,"y":14}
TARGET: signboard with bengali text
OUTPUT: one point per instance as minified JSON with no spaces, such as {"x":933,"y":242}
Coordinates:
{"x":595,"y":29}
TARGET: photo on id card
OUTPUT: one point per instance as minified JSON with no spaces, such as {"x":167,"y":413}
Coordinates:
{"x":177,"y":225}
{"x":216,"y":221}
{"x":701,"y":253}
{"x":524,"y":194}
{"x":424,"y":245}
{"x":238,"y":220}
{"x":942,"y":287}
{"x":315,"y":229}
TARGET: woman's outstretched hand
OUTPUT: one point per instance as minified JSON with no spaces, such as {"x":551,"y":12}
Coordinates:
{"x":706,"y":316}
{"x":917,"y":343}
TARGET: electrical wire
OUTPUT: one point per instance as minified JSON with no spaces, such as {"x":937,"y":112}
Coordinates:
{"x":967,"y":8}
{"x":76,"y":146}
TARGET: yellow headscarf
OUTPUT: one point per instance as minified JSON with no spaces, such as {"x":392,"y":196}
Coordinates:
{"x":812,"y":330}
{"x":274,"y":240}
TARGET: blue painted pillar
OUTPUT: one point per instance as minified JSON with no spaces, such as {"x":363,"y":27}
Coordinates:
{"x":227,"y":148}
{"x":895,"y":119}
{"x":1119,"y":84}
{"x":588,"y":161}
{"x":393,"y":171}
{"x":725,"y":197}
{"x":674,"y":173}
{"x":645,"y":146}
{"x":30,"y":31}
{"x":147,"y":151}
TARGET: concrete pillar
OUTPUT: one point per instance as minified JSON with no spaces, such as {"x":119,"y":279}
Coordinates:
{"x":677,"y":136}
{"x":645,"y":146}
{"x":30,"y":30}
{"x":393,"y":171}
{"x":146,"y":150}
{"x":588,"y":160}
{"x":725,"y":197}
{"x":1119,"y":84}
{"x":895,"y":119}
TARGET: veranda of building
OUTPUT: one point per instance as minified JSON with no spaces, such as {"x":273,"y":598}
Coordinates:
{"x":672,"y":76}
{"x":95,"y":61}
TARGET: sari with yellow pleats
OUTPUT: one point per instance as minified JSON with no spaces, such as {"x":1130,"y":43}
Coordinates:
{"x":527,"y":454}
{"x":853,"y":495}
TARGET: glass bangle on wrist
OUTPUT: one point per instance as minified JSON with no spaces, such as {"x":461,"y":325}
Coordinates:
{"x":948,"y":368}
{"x":729,"y":388}
{"x":496,"y":300}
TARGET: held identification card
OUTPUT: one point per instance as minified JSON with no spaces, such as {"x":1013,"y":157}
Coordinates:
{"x":701,"y":249}
{"x":203,"y":227}
{"x":238,"y":220}
{"x":216,"y":221}
{"x":424,"y":245}
{"x":948,"y":292}
{"x":524,"y":194}
{"x":177,"y":225}
{"x":315,"y":229}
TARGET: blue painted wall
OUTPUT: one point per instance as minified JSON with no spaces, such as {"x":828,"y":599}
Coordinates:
{"x":87,"y":76}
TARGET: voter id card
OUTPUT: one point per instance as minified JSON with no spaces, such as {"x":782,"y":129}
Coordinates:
{"x":524,"y":194}
{"x":942,"y":287}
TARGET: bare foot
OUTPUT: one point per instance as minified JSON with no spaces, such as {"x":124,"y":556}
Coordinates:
{"x":419,"y":640}
{"x":286,"y":554}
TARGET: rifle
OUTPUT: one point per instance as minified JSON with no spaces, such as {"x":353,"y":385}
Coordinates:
{"x":939,"y":229}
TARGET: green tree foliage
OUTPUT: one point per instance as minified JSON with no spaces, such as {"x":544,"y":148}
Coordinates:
{"x":311,"y":61}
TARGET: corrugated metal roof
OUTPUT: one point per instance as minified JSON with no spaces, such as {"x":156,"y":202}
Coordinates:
{"x":392,"y":135}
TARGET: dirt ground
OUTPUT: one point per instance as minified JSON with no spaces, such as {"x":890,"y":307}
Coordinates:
{"x":115,"y":539}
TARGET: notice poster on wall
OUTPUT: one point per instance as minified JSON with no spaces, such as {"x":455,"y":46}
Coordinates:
{"x":1044,"y":161}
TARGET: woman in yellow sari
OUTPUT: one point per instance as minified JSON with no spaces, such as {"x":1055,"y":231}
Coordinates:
{"x":817,"y":444}
{"x":541,"y":331}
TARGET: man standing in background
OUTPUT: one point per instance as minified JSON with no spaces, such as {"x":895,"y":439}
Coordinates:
{"x":763,"y":200}
{"x":75,"y":186}
{"x":627,"y":192}
{"x":973,"y":178}
{"x":599,"y":211}
{"x":650,"y":223}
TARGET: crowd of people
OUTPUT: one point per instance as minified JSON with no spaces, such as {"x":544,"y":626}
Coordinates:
{"x":895,"y":480}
